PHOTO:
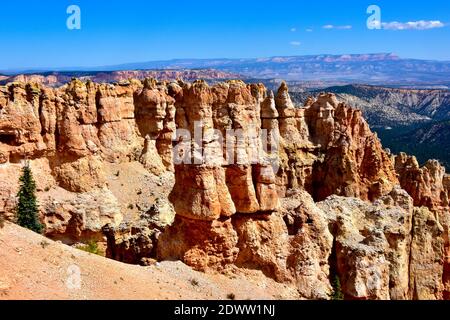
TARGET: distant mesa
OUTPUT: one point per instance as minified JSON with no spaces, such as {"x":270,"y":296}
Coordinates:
{"x":374,"y":69}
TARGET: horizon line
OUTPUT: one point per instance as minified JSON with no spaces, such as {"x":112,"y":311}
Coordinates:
{"x":27,"y":70}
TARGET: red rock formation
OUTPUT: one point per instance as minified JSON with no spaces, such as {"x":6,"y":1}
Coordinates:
{"x":58,"y":79}
{"x":201,"y":244}
{"x":327,"y":148}
{"x":211,"y":185}
{"x":427,"y":185}
{"x":241,"y":183}
{"x":426,"y":273}
{"x":259,"y":241}
{"x":78,"y":129}
{"x":355,"y":164}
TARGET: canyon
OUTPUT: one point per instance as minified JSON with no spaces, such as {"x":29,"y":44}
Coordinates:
{"x":415,"y":121}
{"x":323,"y":198}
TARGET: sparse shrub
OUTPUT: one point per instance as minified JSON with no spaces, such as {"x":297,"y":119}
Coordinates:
{"x":337,"y":291}
{"x":131,"y":206}
{"x":2,"y":220}
{"x":92,"y":247}
{"x":33,"y":88}
{"x":47,"y":189}
{"x":44,"y":244}
{"x":231,"y":296}
{"x":27,"y":208}
{"x":194,"y":282}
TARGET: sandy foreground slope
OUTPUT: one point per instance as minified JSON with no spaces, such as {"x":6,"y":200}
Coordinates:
{"x":34,"y":267}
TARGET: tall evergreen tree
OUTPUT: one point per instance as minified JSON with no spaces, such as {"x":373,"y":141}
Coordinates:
{"x":337,"y":291}
{"x":27,"y":208}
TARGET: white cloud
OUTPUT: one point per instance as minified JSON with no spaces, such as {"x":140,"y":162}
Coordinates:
{"x":309,"y":30}
{"x":412,"y":25}
{"x":293,"y":29}
{"x":330,"y":26}
{"x":295,"y":43}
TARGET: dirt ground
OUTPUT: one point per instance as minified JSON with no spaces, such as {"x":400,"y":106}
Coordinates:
{"x":34,"y":267}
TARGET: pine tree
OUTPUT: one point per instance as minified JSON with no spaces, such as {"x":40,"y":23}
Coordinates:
{"x":337,"y":291}
{"x":27,"y":208}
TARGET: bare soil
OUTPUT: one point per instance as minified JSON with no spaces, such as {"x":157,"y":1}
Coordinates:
{"x":34,"y":267}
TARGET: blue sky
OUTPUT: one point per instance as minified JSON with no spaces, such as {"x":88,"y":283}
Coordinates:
{"x":33,"y":34}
